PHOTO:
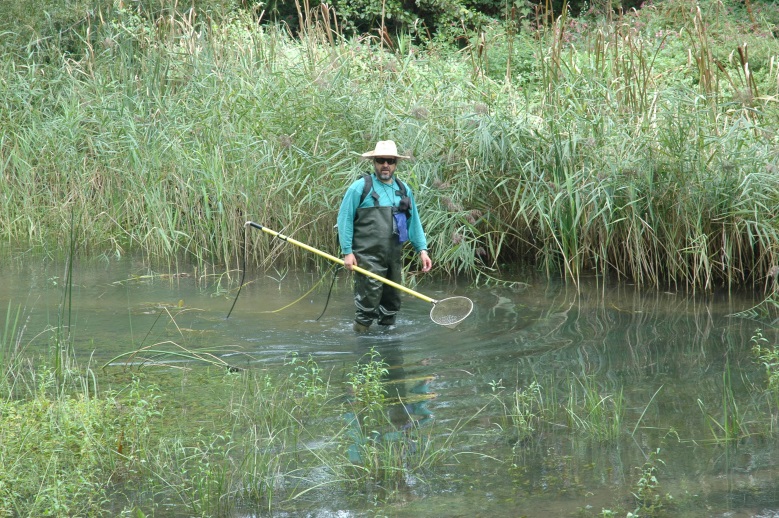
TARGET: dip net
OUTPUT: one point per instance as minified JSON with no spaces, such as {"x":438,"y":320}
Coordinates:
{"x":451,"y":311}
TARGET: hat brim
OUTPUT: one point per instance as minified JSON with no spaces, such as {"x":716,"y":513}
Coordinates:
{"x":373,"y":154}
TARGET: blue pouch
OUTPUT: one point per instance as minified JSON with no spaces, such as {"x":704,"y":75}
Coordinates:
{"x":401,"y":224}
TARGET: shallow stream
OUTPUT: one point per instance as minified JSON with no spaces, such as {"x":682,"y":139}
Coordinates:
{"x":679,"y":364}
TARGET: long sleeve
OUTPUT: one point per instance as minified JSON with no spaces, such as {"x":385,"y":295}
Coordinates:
{"x":415,"y":232}
{"x":346,"y":214}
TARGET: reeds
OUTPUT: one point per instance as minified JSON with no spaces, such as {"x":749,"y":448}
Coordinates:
{"x":618,"y":158}
{"x":593,"y":413}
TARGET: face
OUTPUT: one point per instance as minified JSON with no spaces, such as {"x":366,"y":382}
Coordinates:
{"x":385,"y":169}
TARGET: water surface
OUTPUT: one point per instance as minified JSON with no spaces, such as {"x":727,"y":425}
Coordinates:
{"x":679,"y":362}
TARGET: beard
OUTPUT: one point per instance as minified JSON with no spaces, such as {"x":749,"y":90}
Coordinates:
{"x":384,"y":175}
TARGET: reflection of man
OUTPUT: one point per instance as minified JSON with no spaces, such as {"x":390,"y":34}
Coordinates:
{"x":411,"y":407}
{"x":406,"y":409}
{"x":377,"y":215}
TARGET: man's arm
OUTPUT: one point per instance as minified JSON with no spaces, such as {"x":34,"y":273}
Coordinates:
{"x":346,"y":216}
{"x":415,"y":232}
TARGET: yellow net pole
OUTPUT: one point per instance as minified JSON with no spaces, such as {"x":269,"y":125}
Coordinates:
{"x":341,"y":262}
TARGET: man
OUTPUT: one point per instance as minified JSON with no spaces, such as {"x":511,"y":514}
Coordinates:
{"x":378,"y":214}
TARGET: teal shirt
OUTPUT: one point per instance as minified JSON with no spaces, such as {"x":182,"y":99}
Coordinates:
{"x":387,"y":197}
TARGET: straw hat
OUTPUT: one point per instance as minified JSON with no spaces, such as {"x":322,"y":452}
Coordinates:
{"x":384,"y":148}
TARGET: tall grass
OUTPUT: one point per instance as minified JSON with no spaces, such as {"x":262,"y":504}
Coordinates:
{"x":640,"y":146}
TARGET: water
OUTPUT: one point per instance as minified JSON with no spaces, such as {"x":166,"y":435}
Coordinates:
{"x":666,"y":354}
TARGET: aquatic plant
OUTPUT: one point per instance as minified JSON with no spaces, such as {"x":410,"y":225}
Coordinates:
{"x":377,"y":457}
{"x":62,"y":339}
{"x":594,"y":413}
{"x":63,"y":445}
{"x":258,"y":454}
{"x":11,"y":348}
{"x":273,"y":417}
{"x":388,"y":440}
{"x":521,"y":411}
{"x":649,"y":499}
{"x":308,"y":380}
{"x":366,"y":382}
{"x":768,"y":356}
{"x":730,"y":423}
{"x":196,"y":472}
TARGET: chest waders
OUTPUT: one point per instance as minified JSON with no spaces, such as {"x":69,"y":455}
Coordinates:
{"x":376,"y":246}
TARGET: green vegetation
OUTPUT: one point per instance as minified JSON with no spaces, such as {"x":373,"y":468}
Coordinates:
{"x":649,"y":499}
{"x":62,"y":447}
{"x":641,"y":146}
{"x":601,"y":415}
{"x":69,"y":449}
{"x":522,"y":411}
{"x":768,"y":356}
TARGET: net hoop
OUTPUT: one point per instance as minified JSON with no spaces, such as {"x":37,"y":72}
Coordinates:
{"x":451,"y":311}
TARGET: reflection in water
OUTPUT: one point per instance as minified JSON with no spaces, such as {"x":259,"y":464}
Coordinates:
{"x":406,"y":409}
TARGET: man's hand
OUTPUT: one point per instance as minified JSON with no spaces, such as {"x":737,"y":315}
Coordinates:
{"x":426,"y":262}
{"x":350,"y":261}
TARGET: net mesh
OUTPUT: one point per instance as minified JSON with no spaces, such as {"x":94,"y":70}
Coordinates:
{"x":450,"y":312}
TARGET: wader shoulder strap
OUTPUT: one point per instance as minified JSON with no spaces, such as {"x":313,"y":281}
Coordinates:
{"x":367,"y":188}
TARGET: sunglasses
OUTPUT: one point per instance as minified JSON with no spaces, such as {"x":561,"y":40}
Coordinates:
{"x":389,"y":161}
